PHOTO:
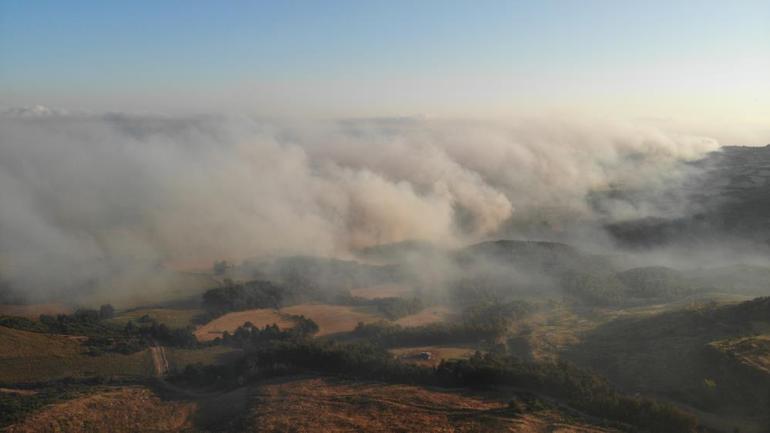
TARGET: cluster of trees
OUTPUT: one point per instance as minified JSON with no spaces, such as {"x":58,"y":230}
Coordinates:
{"x":482,"y":321}
{"x":496,"y":315}
{"x":84,"y":321}
{"x":249,"y":336}
{"x":104,"y":336}
{"x":599,"y":290}
{"x":267,"y":294}
{"x":386,"y":334}
{"x":245,"y":296}
{"x":646,"y":284}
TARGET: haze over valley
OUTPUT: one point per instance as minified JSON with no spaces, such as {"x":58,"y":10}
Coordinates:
{"x":512,"y":217}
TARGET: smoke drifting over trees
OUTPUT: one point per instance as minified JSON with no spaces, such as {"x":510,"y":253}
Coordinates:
{"x":85,"y":197}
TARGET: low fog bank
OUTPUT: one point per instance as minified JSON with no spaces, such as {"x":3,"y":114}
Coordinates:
{"x":90,"y":202}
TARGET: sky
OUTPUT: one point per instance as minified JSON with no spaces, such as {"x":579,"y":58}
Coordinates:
{"x":693,"y":61}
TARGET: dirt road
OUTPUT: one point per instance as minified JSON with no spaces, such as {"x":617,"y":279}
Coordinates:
{"x":159,"y":359}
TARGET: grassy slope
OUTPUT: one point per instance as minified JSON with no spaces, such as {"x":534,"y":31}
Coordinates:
{"x":179,"y":358}
{"x":332,"y":319}
{"x":33,"y":357}
{"x":667,"y":355}
{"x":173,"y":318}
{"x":334,"y":406}
{"x":751,"y":352}
{"x":129,"y":409}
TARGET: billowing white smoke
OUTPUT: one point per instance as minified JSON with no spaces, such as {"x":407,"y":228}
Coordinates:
{"x":82,"y":195}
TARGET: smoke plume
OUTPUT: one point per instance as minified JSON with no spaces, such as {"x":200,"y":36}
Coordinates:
{"x":84,"y":197}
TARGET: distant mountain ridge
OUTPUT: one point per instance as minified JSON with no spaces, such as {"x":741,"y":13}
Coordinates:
{"x":729,"y":199}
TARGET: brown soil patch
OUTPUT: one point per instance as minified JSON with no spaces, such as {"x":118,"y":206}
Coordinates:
{"x":132,"y":409}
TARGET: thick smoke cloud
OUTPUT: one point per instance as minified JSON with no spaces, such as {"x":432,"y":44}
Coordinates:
{"x":84,"y":197}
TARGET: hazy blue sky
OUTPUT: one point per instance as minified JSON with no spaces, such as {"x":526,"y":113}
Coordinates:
{"x":685,"y":59}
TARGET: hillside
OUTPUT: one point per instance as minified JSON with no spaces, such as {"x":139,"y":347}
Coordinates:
{"x":727,"y":199}
{"x":122,"y":410}
{"x":340,"y":406}
{"x":34,"y":357}
{"x":670,"y":355}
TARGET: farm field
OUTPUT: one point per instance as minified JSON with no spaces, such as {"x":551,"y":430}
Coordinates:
{"x":33,"y":357}
{"x":332,"y":319}
{"x":310,"y":405}
{"x":173,"y":318}
{"x":231,"y":321}
{"x":33,"y":311}
{"x":428,"y":315}
{"x":128,"y":409}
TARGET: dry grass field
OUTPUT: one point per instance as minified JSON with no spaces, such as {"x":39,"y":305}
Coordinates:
{"x":173,"y":318}
{"x":178,"y":358}
{"x":317,"y":405}
{"x":229,"y":322}
{"x":425,"y":317}
{"x":332,"y":319}
{"x":129,"y":410}
{"x":33,"y":357}
{"x":33,"y":311}
{"x":388,"y":290}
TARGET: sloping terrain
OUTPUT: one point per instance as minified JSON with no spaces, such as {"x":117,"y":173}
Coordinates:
{"x":436,"y":313}
{"x":32,"y":357}
{"x":230,"y":322}
{"x":751,"y":352}
{"x":129,"y":410}
{"x":729,"y":197}
{"x":33,"y":311}
{"x":670,"y":355}
{"x":173,"y":318}
{"x":332,"y":319}
{"x":315,"y":405}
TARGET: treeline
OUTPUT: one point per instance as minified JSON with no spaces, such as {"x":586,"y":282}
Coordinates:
{"x":482,"y":321}
{"x":250,"y":295}
{"x":393,"y":308}
{"x":645,"y":284}
{"x":389,"y":335}
{"x":104,"y":336}
{"x":579,"y":389}
{"x":267,"y":294}
{"x":249,"y":336}
{"x":85,"y":322}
